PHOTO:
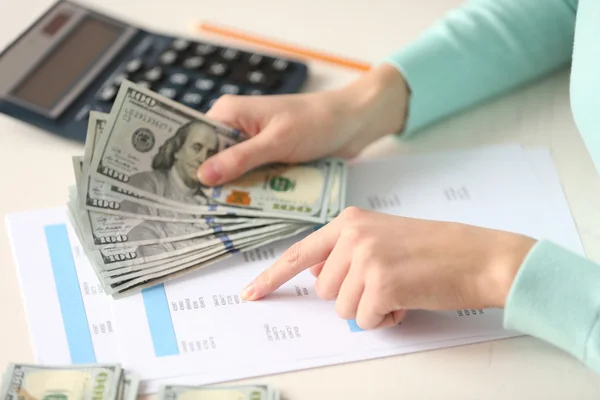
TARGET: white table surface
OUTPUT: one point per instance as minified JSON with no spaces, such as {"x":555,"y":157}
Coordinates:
{"x":35,"y":171}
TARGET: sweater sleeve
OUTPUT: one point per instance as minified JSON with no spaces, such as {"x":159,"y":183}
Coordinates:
{"x":480,"y":50}
{"x":556,"y":297}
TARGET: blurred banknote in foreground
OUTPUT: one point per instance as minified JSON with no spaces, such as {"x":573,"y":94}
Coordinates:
{"x":249,"y":392}
{"x":80,"y":382}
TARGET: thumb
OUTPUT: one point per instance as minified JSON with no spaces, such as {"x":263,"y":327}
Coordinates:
{"x":238,"y":159}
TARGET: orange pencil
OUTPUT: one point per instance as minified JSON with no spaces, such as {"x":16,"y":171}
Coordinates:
{"x":288,"y":48}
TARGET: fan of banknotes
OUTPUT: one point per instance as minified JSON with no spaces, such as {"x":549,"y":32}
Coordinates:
{"x":109,"y":382}
{"x":142,"y":215}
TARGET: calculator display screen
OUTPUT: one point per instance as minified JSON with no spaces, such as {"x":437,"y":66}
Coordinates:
{"x":68,"y":62}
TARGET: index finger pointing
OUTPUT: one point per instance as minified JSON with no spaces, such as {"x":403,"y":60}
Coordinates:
{"x":313,"y":249}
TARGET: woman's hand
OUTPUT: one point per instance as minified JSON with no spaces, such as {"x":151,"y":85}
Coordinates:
{"x":376,"y":266}
{"x":303,"y":127}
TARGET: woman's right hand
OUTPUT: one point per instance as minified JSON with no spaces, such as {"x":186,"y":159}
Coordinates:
{"x":302,"y":127}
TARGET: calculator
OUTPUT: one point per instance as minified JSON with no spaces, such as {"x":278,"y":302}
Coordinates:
{"x":73,"y":59}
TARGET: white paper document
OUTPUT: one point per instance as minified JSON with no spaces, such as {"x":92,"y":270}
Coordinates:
{"x":197,"y":329}
{"x":70,"y":318}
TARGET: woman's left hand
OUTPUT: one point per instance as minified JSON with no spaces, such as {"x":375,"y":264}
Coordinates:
{"x":376,"y":266}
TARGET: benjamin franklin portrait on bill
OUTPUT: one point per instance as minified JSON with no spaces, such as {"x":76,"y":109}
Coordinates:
{"x":174,"y":167}
{"x":173,"y":176}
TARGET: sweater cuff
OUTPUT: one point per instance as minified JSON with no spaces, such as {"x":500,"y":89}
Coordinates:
{"x":435,"y":67}
{"x":409,"y":62}
{"x":431,"y":68}
{"x":556,"y":297}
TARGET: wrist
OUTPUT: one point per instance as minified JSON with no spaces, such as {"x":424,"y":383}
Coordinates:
{"x":505,"y":260}
{"x":376,"y":103}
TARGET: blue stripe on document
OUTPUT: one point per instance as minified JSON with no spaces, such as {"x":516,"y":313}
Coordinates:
{"x":159,"y":321}
{"x":354,"y":326}
{"x":79,"y":339}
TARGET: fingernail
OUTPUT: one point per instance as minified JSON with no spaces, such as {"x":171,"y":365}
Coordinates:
{"x":209,"y":172}
{"x":249,"y":292}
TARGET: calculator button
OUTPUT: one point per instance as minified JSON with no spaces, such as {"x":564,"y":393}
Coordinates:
{"x":119,"y":78}
{"x":171,"y":93}
{"x":134,"y":65}
{"x":103,"y":108}
{"x":108,"y":93}
{"x":208,"y":106}
{"x":280,"y":65}
{"x":230,"y":89}
{"x":192,"y":99}
{"x":217,"y":69}
{"x":266,"y":79}
{"x":230,"y":54}
{"x":257,"y":77}
{"x":179,"y":79}
{"x":254,"y":92}
{"x":168,"y":57}
{"x":210,"y":102}
{"x":255,"y":60}
{"x":193,"y":62}
{"x":144,"y":84}
{"x":205,"y":84}
{"x":204,"y":49}
{"x":180,"y":45}
{"x":154,"y":74}
{"x":239,"y":73}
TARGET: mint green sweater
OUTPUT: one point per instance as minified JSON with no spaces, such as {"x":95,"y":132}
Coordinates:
{"x":486,"y":48}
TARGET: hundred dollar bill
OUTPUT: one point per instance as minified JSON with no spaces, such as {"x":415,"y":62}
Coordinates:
{"x":291,"y":192}
{"x":95,"y":127}
{"x":137,"y":284}
{"x":103,"y":229}
{"x":342,"y":189}
{"x":152,"y":147}
{"x":188,"y":257}
{"x":110,"y":231}
{"x":336,"y":195}
{"x":96,"y":195}
{"x":146,"y":132}
{"x":140,"y":270}
{"x":111,"y":283}
{"x":108,"y":258}
{"x":250,"y":392}
{"x":299,"y":191}
{"x":119,"y":283}
{"x":107,"y":231}
{"x":77,"y":382}
{"x":131,"y":385}
{"x":341,"y":192}
{"x":168,"y":261}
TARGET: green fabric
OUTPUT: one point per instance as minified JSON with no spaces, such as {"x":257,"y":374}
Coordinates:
{"x":556,"y":297}
{"x":486,"y":48}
